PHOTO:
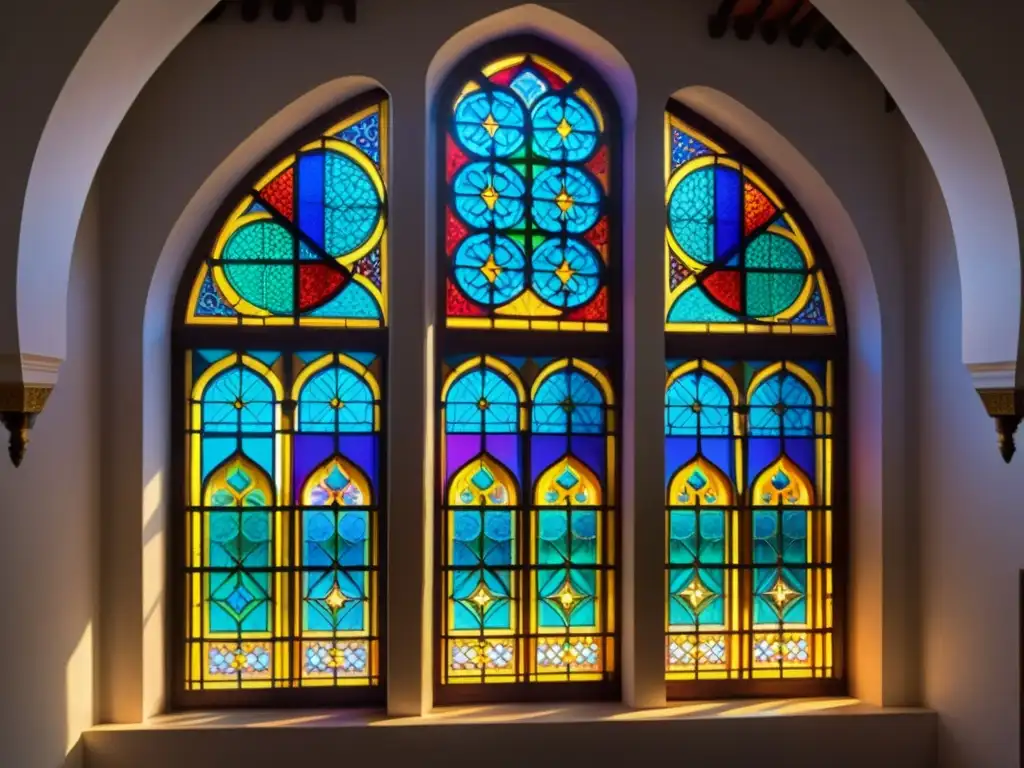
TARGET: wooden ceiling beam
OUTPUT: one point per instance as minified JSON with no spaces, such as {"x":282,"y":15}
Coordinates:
{"x":282,"y":10}
{"x":718,"y":22}
{"x":746,"y":24}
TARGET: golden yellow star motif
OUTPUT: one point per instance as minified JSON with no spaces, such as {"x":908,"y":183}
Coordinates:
{"x":696,"y":594}
{"x":239,"y":661}
{"x":335,"y":599}
{"x":781,"y":593}
{"x":491,"y":269}
{"x":481,"y":597}
{"x":568,"y":597}
{"x":564,"y":129}
{"x":564,"y":200}
{"x":336,"y":403}
{"x":565,"y":272}
{"x":238,"y":404}
{"x":491,"y":125}
{"x":490,"y":196}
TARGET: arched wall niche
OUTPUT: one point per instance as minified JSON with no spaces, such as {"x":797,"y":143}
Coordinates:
{"x":156,"y":440}
{"x":878,"y":519}
{"x":133,"y":638}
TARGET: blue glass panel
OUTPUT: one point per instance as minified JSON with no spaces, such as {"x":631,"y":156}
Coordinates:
{"x":336,"y":399}
{"x":352,"y":205}
{"x":482,"y":400}
{"x":365,"y":136}
{"x":211,"y":303}
{"x":696,"y":403}
{"x":490,"y":123}
{"x":490,"y":194}
{"x":685,"y":147}
{"x":565,"y":199}
{"x":238,"y":398}
{"x":782,"y":401}
{"x":311,"y":196}
{"x":564,"y":128}
{"x":568,"y":398}
{"x":728,"y":210}
{"x":529,"y":86}
{"x":489,"y":268}
{"x":566,"y":273}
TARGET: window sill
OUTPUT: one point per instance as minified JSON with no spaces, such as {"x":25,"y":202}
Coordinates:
{"x":794,"y":733}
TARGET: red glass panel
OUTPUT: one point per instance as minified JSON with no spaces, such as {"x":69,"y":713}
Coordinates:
{"x":725,"y":287}
{"x":317,"y":283}
{"x":279,"y":193}
{"x":757,"y":208}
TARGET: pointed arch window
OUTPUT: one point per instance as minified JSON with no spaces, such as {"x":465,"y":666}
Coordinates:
{"x":528,"y":350}
{"x":753,"y":429}
{"x":280,"y":347}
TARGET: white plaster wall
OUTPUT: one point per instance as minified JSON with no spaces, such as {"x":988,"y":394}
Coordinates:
{"x":971,"y":524}
{"x":227,"y":80}
{"x":49,"y":523}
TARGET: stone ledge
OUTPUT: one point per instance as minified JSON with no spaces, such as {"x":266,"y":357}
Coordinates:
{"x":839,"y":733}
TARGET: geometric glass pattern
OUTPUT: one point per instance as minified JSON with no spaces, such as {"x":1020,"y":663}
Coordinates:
{"x":282,"y":519}
{"x":754,"y":341}
{"x":750,"y":521}
{"x":736,"y":260}
{"x":280,"y":351}
{"x":526,"y":222}
{"x":527,"y":517}
{"x":528,"y":354}
{"x":306,"y":244}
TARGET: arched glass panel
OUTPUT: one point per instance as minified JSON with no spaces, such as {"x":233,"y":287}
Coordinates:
{"x":283,"y":428}
{"x":527,"y":175}
{"x":754,"y":340}
{"x":528,"y":354}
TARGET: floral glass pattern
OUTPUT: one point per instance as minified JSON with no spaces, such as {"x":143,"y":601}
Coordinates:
{"x":281,"y":539}
{"x":753,"y":341}
{"x":307,"y":245}
{"x":736,"y":259}
{"x":527,"y":225}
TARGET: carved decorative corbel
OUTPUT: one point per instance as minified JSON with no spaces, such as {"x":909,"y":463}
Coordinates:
{"x":19,"y":406}
{"x":1006,"y":406}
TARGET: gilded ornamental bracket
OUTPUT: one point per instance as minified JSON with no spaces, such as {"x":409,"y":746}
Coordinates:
{"x":1006,"y":406}
{"x":19,"y":405}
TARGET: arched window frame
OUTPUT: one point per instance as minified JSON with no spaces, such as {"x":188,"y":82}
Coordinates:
{"x":701,"y":347}
{"x":505,"y":343}
{"x":337,"y":340}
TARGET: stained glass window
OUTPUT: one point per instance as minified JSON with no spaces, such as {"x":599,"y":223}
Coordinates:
{"x":306,"y":243}
{"x":527,"y":421}
{"x":750,"y":438}
{"x":526,"y":223}
{"x":737,"y":261}
{"x":281,"y":479}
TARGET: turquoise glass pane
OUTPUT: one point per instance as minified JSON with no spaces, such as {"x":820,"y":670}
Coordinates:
{"x":239,"y":399}
{"x":482,"y":400}
{"x":489,"y":268}
{"x":336,"y":399}
{"x":248,"y":264}
{"x":566,"y":199}
{"x":490,"y":195}
{"x":564,"y":128}
{"x":566,"y":273}
{"x":351,"y":204}
{"x":691,"y":211}
{"x":490,"y":123}
{"x":696,"y":403}
{"x":782,"y":402}
{"x":568,"y":401}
